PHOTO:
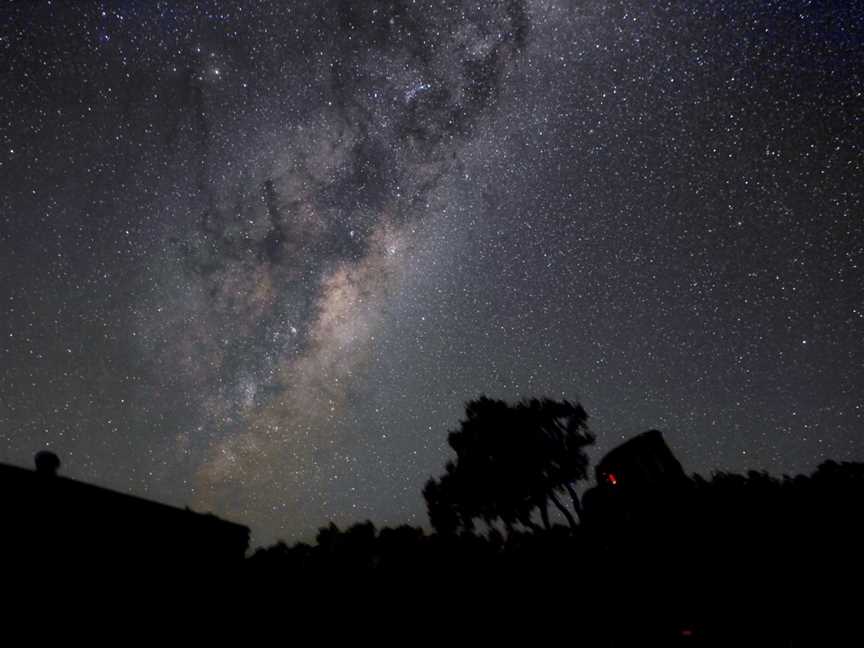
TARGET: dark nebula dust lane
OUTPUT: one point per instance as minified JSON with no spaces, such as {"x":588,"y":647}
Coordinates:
{"x":254,"y":257}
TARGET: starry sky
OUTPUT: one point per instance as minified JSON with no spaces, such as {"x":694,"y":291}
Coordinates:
{"x":255,"y":256}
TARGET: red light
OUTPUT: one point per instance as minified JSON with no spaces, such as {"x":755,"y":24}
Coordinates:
{"x":612,"y":479}
{"x":686,"y":632}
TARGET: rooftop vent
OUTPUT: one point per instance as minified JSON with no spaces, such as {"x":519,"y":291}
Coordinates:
{"x":47,"y":463}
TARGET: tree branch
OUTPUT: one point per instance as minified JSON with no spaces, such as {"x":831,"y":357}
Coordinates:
{"x":563,"y":509}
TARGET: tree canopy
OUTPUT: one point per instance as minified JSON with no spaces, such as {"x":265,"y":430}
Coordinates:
{"x":512,"y":462}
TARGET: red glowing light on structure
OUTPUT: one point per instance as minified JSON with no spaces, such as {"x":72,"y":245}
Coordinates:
{"x":686,"y":632}
{"x":612,"y":479}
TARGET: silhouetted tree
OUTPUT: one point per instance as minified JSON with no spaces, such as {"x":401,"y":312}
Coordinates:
{"x":511,"y":461}
{"x":447,"y":508}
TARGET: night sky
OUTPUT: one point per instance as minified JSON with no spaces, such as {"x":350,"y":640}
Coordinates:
{"x":255,"y":256}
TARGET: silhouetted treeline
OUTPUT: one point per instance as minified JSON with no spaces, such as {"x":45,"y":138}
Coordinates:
{"x":648,"y":556}
{"x":747,"y":559}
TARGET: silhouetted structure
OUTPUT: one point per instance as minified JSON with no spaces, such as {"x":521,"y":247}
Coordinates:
{"x":54,"y":524}
{"x":645,"y":461}
{"x":639,"y":476}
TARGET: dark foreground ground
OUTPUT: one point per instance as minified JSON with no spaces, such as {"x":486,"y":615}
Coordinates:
{"x":737,"y":561}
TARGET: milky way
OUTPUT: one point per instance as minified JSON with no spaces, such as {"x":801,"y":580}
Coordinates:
{"x":255,"y":258}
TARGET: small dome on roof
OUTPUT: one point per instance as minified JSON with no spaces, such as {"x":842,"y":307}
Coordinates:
{"x":47,"y":463}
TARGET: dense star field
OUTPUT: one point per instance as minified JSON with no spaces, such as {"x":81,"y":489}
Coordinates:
{"x":255,"y":256}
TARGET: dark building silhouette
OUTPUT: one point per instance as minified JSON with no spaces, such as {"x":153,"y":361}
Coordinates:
{"x":50,"y":523}
{"x":640,"y":475}
{"x":645,"y":461}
